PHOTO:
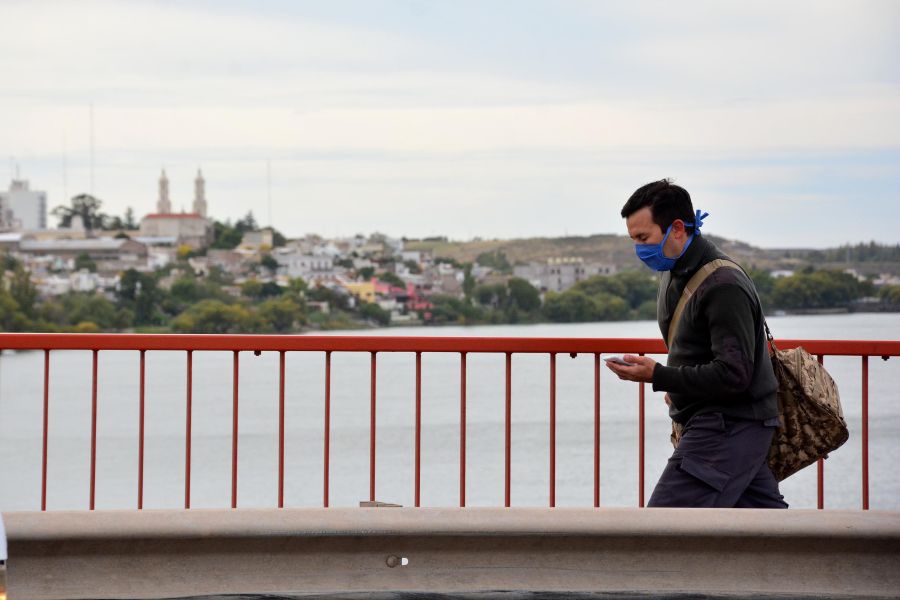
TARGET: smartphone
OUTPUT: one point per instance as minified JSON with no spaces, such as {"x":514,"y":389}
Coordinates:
{"x":619,"y":361}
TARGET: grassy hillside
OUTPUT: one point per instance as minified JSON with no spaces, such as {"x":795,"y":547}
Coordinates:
{"x":619,"y":250}
{"x":601,"y":248}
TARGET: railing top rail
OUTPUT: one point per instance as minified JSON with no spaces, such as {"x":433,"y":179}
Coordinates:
{"x":364,"y":343}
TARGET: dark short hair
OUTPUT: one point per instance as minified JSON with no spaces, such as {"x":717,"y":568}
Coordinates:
{"x":667,"y":203}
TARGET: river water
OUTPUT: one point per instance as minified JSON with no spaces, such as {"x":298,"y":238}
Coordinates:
{"x":21,"y":394}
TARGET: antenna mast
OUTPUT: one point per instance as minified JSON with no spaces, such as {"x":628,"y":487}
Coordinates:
{"x":65,"y":176}
{"x":269,"y":188}
{"x":92,"y":146}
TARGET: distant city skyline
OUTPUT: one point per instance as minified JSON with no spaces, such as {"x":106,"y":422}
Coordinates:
{"x":465,"y":119}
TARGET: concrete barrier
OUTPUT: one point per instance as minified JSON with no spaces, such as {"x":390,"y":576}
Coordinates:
{"x":390,"y":552}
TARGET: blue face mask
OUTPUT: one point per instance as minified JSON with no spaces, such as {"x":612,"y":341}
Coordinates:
{"x":652,"y":254}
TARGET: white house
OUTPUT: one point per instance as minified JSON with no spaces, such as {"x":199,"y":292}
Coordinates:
{"x":308,"y":266}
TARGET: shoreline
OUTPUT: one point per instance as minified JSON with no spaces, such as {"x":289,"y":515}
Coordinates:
{"x":418,"y":324}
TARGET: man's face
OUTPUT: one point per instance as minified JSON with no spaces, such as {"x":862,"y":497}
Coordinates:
{"x":643,"y":230}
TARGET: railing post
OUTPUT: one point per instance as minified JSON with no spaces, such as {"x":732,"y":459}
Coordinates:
{"x":93,"y":430}
{"x":820,"y":468}
{"x":552,"y":429}
{"x":142,"y":384}
{"x":234,"y":430}
{"x":865,"y":433}
{"x":44,"y":455}
{"x":418,"y":457}
{"x":327,"y":433}
{"x":462,"y":429}
{"x":374,"y":372}
{"x":281,"y":429}
{"x":508,"y":458}
{"x":596,"y":430}
{"x":187,"y":429}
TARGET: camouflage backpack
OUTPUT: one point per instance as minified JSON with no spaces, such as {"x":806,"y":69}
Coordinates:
{"x":809,"y":406}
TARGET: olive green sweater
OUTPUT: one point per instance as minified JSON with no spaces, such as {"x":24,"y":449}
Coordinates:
{"x":719,"y":359}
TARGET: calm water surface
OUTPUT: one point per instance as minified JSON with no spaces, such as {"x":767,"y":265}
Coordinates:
{"x":21,"y":393}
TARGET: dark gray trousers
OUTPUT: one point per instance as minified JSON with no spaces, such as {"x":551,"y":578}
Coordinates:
{"x":720,"y":463}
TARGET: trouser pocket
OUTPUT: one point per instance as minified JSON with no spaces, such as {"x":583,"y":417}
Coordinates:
{"x":705,"y":472}
{"x":702,"y":435}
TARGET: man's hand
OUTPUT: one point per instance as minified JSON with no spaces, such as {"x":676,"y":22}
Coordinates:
{"x":641,"y":370}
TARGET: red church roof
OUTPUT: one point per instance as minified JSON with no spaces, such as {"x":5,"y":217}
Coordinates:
{"x":174,"y":216}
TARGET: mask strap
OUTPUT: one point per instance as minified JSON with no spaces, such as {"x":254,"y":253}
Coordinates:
{"x":697,"y":224}
{"x":698,"y":219}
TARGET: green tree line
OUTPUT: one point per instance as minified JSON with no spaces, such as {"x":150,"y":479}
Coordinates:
{"x":191,"y":304}
{"x":810,"y":289}
{"x":851,"y":253}
{"x":201,"y":304}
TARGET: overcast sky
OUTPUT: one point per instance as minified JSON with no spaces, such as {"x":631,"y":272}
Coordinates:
{"x":486,"y":118}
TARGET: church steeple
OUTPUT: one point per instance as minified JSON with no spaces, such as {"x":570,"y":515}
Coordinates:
{"x":163,"y":204}
{"x":200,"y":194}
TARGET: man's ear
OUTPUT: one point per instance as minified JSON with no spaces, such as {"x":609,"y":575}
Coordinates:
{"x":678,"y":228}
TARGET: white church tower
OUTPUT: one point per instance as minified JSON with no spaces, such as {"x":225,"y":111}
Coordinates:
{"x":164,"y":205}
{"x":200,"y":194}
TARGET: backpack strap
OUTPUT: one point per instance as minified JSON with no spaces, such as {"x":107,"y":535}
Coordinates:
{"x":690,"y":288}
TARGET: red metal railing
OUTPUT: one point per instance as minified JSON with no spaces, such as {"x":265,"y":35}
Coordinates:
{"x":378,"y":344}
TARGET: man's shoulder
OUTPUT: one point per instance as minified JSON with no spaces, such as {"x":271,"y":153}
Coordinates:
{"x":727,"y":282}
{"x":728,"y":272}
{"x":702,"y":252}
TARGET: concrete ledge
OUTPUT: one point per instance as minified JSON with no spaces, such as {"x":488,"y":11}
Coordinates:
{"x":165,"y":554}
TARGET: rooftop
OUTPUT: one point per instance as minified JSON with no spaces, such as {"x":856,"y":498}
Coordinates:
{"x":85,"y":244}
{"x":175,"y":216}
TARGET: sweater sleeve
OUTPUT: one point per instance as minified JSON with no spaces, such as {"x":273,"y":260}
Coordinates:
{"x":729,"y":314}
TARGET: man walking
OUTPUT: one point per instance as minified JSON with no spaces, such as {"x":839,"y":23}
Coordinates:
{"x":718,"y":377}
